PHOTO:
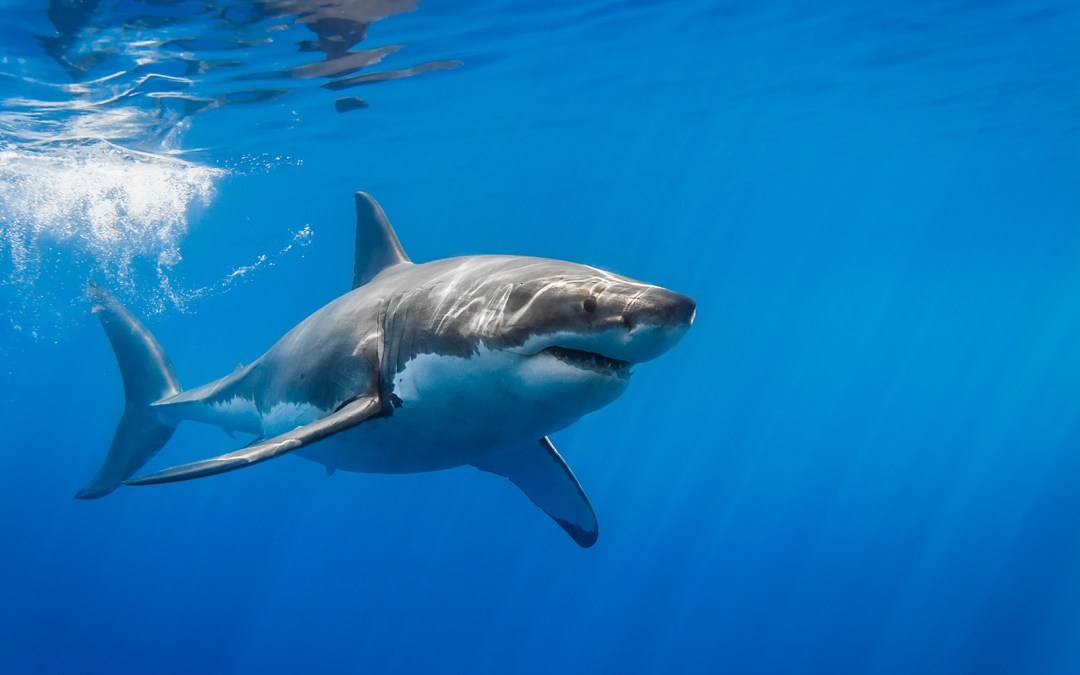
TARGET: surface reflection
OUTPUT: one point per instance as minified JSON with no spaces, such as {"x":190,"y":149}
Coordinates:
{"x":200,"y":52}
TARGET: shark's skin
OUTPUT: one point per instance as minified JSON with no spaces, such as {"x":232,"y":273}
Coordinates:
{"x":421,"y":367}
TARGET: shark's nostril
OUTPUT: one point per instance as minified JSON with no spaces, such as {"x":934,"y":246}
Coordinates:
{"x":628,"y":321}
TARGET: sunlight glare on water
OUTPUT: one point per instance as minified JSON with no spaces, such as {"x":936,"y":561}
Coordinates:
{"x":95,"y":178}
{"x":113,"y":204}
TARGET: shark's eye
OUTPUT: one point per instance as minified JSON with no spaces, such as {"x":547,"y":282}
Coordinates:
{"x":589,"y":304}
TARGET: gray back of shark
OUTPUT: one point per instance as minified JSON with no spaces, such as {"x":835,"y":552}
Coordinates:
{"x":421,"y":367}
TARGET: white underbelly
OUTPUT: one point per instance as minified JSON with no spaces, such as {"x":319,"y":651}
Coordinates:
{"x":454,"y":411}
{"x":391,"y":445}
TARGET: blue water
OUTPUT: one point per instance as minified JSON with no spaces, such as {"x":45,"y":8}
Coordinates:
{"x":863,"y":458}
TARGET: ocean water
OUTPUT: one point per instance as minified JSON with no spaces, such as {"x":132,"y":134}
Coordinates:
{"x":863,"y":458}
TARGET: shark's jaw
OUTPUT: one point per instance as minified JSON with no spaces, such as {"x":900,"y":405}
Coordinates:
{"x":609,"y":352}
{"x":591,"y":362}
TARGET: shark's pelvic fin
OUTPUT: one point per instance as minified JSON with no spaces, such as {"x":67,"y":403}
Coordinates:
{"x":377,"y":246}
{"x":357,"y":411}
{"x":147,"y":376}
{"x":541,"y":473}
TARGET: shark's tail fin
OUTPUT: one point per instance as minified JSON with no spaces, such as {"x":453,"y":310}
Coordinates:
{"x":147,"y":376}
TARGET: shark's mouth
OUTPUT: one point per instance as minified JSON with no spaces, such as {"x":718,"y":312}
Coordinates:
{"x":590,"y":361}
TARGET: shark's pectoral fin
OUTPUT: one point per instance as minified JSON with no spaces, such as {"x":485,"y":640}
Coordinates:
{"x":353,"y":413}
{"x":541,"y":473}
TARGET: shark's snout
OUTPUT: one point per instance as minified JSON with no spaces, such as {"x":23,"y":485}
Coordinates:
{"x":660,"y":307}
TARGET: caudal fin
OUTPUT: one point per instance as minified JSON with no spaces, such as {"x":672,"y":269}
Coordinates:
{"x":148,"y":377}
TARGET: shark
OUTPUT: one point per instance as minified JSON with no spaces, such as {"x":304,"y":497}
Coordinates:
{"x":466,"y":361}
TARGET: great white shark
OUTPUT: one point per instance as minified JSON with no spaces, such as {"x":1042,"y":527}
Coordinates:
{"x":473,"y":360}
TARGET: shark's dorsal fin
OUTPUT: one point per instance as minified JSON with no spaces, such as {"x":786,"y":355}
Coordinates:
{"x":377,"y":247}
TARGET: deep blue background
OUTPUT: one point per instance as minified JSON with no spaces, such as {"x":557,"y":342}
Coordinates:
{"x":864,"y":458}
